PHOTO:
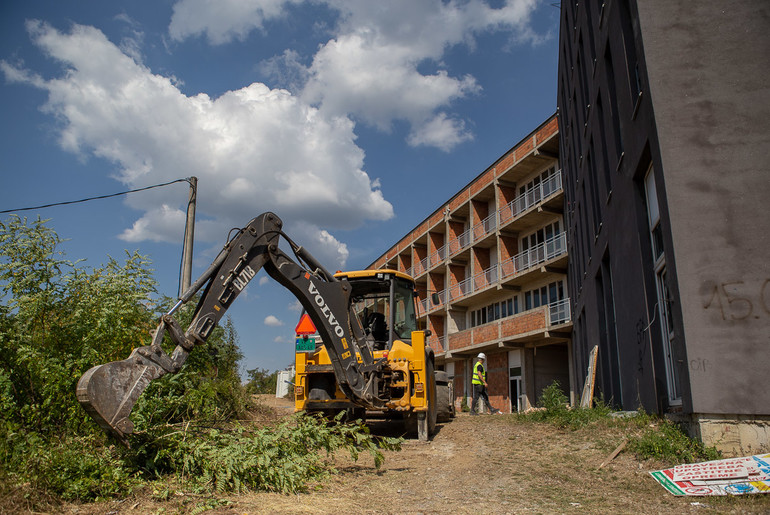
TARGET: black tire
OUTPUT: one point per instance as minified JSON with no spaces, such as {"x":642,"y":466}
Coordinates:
{"x":426,"y":421}
{"x":445,"y":408}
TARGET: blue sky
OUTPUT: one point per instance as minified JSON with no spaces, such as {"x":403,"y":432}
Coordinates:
{"x":352,"y":120}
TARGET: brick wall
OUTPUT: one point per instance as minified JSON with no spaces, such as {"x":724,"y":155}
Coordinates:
{"x":523,"y":323}
{"x":480,"y":259}
{"x":485,"y":333}
{"x":455,"y":230}
{"x":480,"y":211}
{"x":436,"y":325}
{"x":404,"y":262}
{"x":497,"y":380}
{"x":525,"y":148}
{"x":436,"y":241}
{"x":436,"y":281}
{"x":504,"y":164}
{"x":482,"y":181}
{"x":459,"y":200}
{"x":507,"y":195}
{"x":547,"y":130}
{"x":459,"y":340}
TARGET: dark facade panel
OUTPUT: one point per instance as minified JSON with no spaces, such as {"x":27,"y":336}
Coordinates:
{"x":709,"y":81}
{"x":665,"y":147}
{"x":608,"y":147}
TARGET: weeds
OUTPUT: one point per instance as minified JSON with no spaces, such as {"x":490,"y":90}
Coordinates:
{"x":649,"y":436}
{"x":558,"y":412}
{"x":665,"y":440}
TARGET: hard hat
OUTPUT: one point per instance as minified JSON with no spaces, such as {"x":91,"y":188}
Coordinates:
{"x":482,"y":356}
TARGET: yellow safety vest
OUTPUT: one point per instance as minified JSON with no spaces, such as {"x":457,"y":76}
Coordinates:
{"x":479,"y":372}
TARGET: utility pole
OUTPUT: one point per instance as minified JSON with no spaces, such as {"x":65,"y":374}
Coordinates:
{"x":189,"y":234}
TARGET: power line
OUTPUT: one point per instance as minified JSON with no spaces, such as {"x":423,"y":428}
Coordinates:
{"x":94,"y":198}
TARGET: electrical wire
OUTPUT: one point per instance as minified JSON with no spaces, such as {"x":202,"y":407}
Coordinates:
{"x":93,"y":198}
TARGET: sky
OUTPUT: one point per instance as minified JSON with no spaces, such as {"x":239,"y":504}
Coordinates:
{"x":352,"y":120}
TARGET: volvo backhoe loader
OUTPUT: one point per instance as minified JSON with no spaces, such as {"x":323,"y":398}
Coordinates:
{"x":391,"y":373}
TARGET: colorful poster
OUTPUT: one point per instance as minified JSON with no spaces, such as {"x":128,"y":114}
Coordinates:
{"x":733,"y":476}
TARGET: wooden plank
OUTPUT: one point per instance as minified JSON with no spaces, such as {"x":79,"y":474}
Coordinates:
{"x":586,"y":399}
{"x":614,"y":454}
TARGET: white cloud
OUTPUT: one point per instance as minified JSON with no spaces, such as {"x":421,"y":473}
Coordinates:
{"x":264,"y":280}
{"x":223,"y":20}
{"x":442,"y":132}
{"x":295,"y":306}
{"x":378,"y":81}
{"x":273,"y":321}
{"x":255,"y":146}
{"x":370,"y":68}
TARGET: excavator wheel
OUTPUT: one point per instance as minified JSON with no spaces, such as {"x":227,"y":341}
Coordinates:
{"x":445,"y":408}
{"x":426,"y":421}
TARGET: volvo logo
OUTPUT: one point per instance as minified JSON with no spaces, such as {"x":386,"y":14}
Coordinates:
{"x":325,"y":310}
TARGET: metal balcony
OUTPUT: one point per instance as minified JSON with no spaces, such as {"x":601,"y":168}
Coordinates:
{"x":485,"y":227}
{"x":549,"y":249}
{"x":551,"y":185}
{"x":559,"y":312}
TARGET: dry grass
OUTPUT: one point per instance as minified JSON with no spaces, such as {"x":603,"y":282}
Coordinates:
{"x":488,"y":464}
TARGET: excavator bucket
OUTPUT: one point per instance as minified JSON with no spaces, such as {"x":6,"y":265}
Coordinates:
{"x":108,"y":392}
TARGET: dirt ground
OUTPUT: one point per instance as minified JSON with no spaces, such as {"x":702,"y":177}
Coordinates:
{"x":485,"y":464}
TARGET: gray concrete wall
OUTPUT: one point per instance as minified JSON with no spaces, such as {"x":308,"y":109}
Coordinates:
{"x":708,"y":63}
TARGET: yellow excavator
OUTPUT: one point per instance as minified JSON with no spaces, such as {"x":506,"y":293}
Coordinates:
{"x":368,"y":355}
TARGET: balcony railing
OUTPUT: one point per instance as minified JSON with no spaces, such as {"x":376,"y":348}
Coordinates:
{"x":559,"y":312}
{"x":459,"y":243}
{"x":531,"y":197}
{"x":484,"y":227}
{"x":522,"y":203}
{"x":438,"y":256}
{"x":426,"y":305}
{"x":519,"y":263}
{"x":536,"y":255}
{"x":420,"y":267}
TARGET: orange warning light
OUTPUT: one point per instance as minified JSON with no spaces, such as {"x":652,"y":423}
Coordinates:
{"x":305,"y":326}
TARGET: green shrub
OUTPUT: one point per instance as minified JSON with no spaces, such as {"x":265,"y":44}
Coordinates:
{"x":57,"y":320}
{"x":553,"y":398}
{"x":261,"y":380}
{"x":649,"y":436}
{"x":555,"y":410}
{"x":664,"y":440}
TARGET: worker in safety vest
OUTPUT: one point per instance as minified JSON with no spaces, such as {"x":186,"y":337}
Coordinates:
{"x":480,"y":385}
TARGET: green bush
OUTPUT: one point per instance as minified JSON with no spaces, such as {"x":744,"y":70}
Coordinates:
{"x":662,"y":439}
{"x":261,"y":380}
{"x":556,"y":410}
{"x":57,"y":320}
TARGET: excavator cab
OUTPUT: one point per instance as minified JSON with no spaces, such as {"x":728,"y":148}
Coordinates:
{"x":384,"y":303}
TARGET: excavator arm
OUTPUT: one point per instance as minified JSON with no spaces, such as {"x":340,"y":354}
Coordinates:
{"x":109,"y":392}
